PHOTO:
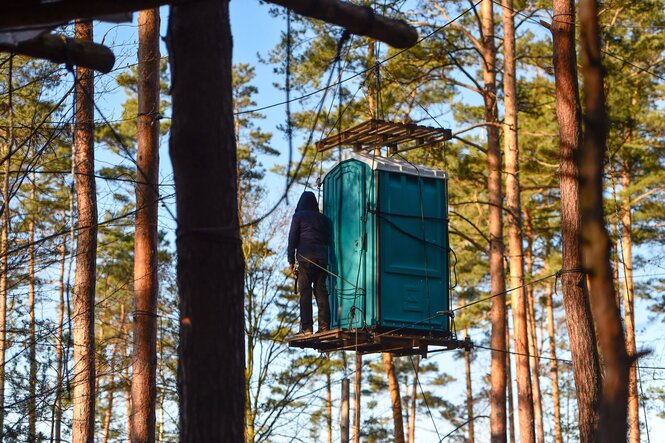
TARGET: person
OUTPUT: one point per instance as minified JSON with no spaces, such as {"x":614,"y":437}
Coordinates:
{"x":309,"y":238}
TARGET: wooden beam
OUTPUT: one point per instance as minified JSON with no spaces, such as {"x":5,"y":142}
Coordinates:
{"x":31,"y":13}
{"x":356,"y":19}
{"x":59,"y":49}
{"x":360,"y":20}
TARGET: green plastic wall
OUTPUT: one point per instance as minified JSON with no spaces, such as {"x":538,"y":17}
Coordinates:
{"x":385,"y":275}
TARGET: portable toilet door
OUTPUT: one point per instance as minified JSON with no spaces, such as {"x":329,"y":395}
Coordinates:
{"x":389,"y":252}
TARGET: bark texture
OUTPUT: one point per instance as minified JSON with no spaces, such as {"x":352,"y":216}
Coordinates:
{"x":83,"y":380}
{"x":146,"y":282}
{"x":211,"y":380}
{"x":594,"y":237}
{"x":497,"y":272}
{"x":586,"y":370}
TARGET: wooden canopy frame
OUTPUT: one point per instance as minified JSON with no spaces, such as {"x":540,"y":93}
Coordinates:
{"x":374,"y":134}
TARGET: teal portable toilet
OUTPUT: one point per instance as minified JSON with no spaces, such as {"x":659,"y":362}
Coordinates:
{"x":389,"y":254}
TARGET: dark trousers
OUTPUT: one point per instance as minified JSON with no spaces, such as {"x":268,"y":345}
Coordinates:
{"x":311,"y":277}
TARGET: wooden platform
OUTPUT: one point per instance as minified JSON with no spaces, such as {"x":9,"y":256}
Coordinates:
{"x":368,"y":342}
{"x":374,"y":134}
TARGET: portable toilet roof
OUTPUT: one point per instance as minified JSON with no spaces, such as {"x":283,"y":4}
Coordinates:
{"x":391,"y":164}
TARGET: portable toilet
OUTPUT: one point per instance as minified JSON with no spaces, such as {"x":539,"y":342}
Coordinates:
{"x":389,"y":254}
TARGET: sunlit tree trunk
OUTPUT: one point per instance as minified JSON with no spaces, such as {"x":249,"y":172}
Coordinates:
{"x":396,"y":401}
{"x":581,"y":332}
{"x":629,"y":302}
{"x":515,"y":247}
{"x":535,"y":369}
{"x":497,"y":272}
{"x":469,"y":395}
{"x":357,"y":382}
{"x":511,"y":406}
{"x":414,"y":398}
{"x":594,"y":238}
{"x":146,"y":284}
{"x":554,"y":369}
{"x":83,"y":380}
{"x":211,"y":379}
{"x":534,"y":351}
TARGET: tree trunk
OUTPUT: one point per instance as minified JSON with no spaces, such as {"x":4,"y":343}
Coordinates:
{"x":581,"y":332}
{"x":518,"y":298}
{"x":32,"y":399}
{"x":395,"y":399}
{"x":469,"y":395}
{"x":210,"y":261}
{"x":414,"y":398}
{"x":629,"y":303}
{"x":328,"y":406}
{"x":594,"y":238}
{"x":4,"y":245}
{"x":108,"y":416}
{"x":509,"y":377}
{"x":146,"y":282}
{"x":554,"y":369}
{"x":534,"y":361}
{"x":497,"y":272}
{"x":344,"y":415}
{"x":57,"y":404}
{"x":83,"y":419}
{"x":357,"y":381}
{"x":128,"y":392}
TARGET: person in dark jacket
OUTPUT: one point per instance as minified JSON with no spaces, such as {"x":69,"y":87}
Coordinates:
{"x":309,"y":237}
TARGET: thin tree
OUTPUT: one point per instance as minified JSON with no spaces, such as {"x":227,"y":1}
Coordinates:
{"x":497,"y":271}
{"x":554,"y":369}
{"x":519,"y":297}
{"x":414,"y":399}
{"x":357,"y":382}
{"x":629,"y":300}
{"x":32,"y":402}
{"x":395,"y":400}
{"x":594,"y":237}
{"x":211,"y":379}
{"x":4,"y":245}
{"x":83,"y":380}
{"x":146,"y":282}
{"x":586,"y":368}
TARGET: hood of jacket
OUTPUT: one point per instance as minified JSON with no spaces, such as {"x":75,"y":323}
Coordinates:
{"x":307,"y":202}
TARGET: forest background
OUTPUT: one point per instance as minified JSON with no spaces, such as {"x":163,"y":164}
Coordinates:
{"x":291,"y":390}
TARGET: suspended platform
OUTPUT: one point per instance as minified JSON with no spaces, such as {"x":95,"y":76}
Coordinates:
{"x":366,"y":341}
{"x":374,"y":134}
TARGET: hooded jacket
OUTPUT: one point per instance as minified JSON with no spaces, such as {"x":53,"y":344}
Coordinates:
{"x":309,"y":235}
